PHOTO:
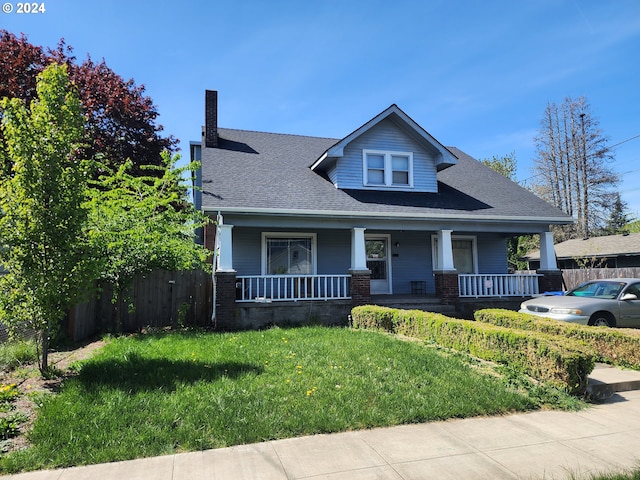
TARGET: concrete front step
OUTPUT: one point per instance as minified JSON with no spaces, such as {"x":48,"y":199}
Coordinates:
{"x":413,"y":302}
{"x":426,"y":307}
{"x":606,"y":380}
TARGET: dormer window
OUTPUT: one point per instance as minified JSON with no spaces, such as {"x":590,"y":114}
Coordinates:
{"x":387,"y":169}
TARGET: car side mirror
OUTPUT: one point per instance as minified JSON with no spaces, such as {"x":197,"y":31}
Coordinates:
{"x":629,"y":296}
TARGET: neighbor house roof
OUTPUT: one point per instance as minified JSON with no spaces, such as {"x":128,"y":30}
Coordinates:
{"x":256,"y":172}
{"x":598,"y":247}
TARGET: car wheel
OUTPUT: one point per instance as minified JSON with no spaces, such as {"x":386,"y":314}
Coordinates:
{"x":602,"y":319}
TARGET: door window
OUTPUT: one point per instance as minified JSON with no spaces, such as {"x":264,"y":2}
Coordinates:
{"x":377,"y":259}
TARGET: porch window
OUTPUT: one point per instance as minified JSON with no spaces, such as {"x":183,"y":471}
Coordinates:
{"x":463,"y":260}
{"x":387,"y":169}
{"x":288,"y":254}
{"x":464,"y":253}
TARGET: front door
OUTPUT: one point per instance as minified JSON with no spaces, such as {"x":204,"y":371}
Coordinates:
{"x":379,"y":263}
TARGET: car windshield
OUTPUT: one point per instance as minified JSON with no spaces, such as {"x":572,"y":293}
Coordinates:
{"x":609,"y":290}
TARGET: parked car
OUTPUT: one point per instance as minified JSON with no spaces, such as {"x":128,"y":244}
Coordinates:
{"x":612,"y":302}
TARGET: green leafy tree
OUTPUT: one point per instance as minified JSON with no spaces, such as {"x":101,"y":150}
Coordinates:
{"x":506,"y":165}
{"x":634,"y":227}
{"x":42,"y":217}
{"x":517,"y":247}
{"x":139,"y":223}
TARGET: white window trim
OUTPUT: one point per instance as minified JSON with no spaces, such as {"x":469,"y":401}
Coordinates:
{"x":474,"y":248}
{"x":314,"y":249}
{"x":388,"y":171}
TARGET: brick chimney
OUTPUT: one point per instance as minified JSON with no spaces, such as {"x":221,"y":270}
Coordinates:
{"x":211,"y":119}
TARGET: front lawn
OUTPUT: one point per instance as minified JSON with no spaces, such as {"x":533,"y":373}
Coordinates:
{"x":157,"y":394}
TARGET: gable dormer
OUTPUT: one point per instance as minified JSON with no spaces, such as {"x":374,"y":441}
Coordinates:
{"x":390,"y":152}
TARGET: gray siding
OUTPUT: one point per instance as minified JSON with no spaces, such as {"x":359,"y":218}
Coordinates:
{"x":385,"y":136}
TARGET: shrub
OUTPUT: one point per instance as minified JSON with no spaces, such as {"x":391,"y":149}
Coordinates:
{"x":548,"y":358}
{"x":616,"y":346}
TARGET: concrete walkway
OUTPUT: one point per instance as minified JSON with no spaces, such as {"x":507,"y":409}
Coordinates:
{"x":538,"y":445}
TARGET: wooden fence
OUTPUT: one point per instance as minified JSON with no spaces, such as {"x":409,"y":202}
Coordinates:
{"x":164,"y":298}
{"x":159,"y":299}
{"x":573,"y":278}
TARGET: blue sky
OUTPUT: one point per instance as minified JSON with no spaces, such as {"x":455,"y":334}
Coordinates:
{"x":476,"y":75}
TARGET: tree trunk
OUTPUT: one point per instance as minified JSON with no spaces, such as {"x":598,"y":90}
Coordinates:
{"x":44,"y":363}
{"x":119,"y":302}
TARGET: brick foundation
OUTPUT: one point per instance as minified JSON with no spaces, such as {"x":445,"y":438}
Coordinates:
{"x":225,"y":301}
{"x":447,"y":287}
{"x":360,"y":287}
{"x":550,"y":281}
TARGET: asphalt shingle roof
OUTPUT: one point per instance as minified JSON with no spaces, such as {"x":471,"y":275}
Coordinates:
{"x":607,"y":246}
{"x":256,"y":170}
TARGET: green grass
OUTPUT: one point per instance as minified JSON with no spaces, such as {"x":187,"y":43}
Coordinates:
{"x":631,"y":475}
{"x":15,"y":353}
{"x":163,"y":393}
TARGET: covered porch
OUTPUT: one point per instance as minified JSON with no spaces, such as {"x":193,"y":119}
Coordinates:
{"x":373,"y":268}
{"x":294,"y":288}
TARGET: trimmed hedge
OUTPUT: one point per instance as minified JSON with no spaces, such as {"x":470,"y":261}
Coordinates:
{"x":617,"y":346}
{"x":547,"y":358}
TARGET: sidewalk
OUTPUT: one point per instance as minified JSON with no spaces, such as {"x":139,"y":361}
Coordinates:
{"x":538,"y":445}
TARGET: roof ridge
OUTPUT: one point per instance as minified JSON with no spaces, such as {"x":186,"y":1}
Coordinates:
{"x":276,"y":133}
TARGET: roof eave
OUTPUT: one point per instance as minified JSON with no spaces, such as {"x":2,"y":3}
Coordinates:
{"x":381,"y":215}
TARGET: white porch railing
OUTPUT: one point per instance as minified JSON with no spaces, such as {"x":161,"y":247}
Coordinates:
{"x":498,"y":285}
{"x":291,"y":288}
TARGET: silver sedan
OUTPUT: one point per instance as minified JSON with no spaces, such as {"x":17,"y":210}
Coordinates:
{"x":613,"y":302}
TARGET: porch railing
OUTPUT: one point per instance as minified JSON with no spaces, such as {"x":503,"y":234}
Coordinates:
{"x":292,"y":288}
{"x":498,"y":285}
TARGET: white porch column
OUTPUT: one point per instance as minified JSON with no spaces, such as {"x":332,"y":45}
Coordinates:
{"x":358,"y":249}
{"x":445,"y":251}
{"x":225,"y":254}
{"x":547,"y":253}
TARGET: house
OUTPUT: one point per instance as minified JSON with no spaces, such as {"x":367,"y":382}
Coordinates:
{"x":312,"y":226}
{"x":610,"y":251}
